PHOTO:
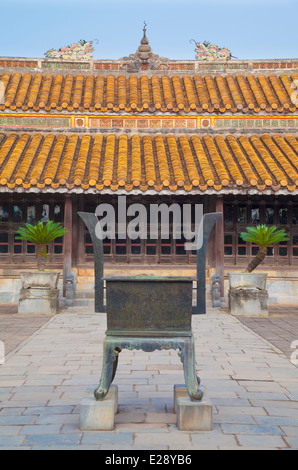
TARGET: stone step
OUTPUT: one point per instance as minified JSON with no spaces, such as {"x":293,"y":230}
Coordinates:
{"x":280,"y":298}
{"x":87,"y":299}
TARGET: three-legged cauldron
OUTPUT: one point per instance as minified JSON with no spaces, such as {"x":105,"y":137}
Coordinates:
{"x":149,"y":313}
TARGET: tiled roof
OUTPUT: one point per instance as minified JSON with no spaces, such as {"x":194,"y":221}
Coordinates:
{"x":100,"y":161}
{"x":131,"y":93}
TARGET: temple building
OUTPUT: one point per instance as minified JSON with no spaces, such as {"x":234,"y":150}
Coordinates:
{"x":75,"y":133}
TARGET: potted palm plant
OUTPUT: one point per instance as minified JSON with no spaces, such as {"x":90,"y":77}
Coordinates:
{"x":39,"y":292}
{"x":247,"y":290}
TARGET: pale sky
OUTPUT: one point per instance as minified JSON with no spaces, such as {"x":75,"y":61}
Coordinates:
{"x":251,"y":29}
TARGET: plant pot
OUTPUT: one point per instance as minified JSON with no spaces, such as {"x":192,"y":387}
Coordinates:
{"x":248,"y":294}
{"x":46,"y":279}
{"x":39,"y":292}
{"x":248,"y":280}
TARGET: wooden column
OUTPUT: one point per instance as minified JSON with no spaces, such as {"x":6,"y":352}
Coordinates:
{"x":67,"y":245}
{"x":219,"y":245}
{"x":81,"y":233}
{"x":75,"y":232}
{"x":210,"y":260}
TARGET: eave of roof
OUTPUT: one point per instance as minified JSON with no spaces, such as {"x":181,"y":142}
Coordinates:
{"x":159,"y":163}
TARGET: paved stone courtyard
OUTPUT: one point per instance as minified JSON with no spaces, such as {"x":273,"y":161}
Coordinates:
{"x":14,"y":328}
{"x":280,"y":328}
{"x":253,"y":387}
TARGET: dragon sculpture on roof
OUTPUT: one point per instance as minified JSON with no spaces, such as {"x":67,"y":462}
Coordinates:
{"x":207,"y":51}
{"x":82,"y":50}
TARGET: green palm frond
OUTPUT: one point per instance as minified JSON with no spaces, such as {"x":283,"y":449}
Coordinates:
{"x":41,"y":234}
{"x":264,"y":236}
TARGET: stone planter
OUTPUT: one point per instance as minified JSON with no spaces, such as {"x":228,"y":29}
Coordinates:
{"x":248,"y":294}
{"x":39,"y":292}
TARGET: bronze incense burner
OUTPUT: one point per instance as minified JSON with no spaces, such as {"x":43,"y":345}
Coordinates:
{"x":149,"y":312}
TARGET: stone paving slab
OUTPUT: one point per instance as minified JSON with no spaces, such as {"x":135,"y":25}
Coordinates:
{"x":252,"y":385}
{"x":280,"y":328}
{"x":15,"y":328}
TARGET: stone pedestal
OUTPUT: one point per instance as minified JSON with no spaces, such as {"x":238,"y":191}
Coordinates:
{"x":180,"y":391}
{"x":192,"y":415}
{"x":112,"y":394}
{"x":248,"y":294}
{"x":99,"y":415}
{"x":39,"y":293}
{"x":248,"y":302}
{"x":41,"y":300}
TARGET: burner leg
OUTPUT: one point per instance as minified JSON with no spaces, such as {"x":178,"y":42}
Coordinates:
{"x":192,"y":382}
{"x":109,"y":367}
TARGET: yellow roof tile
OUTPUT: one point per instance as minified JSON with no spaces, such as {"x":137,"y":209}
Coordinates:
{"x":131,"y":93}
{"x":148,"y":161}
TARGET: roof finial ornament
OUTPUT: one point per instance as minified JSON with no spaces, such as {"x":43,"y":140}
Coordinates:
{"x":144,"y":50}
{"x":144,"y":58}
{"x":145,"y":28}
